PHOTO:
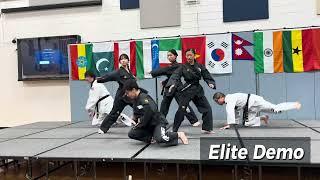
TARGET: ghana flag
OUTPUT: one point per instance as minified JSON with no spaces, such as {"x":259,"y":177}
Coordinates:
{"x":287,"y":51}
{"x":81,"y":60}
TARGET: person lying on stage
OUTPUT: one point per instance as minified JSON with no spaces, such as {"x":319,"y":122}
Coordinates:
{"x":99,"y":103}
{"x":251,"y":105}
{"x":121,"y":75}
{"x":151,"y":124}
{"x":192,"y":72}
{"x":168,"y":97}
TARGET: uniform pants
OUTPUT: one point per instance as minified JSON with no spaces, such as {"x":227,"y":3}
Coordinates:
{"x":202,"y":105}
{"x":165,"y":105}
{"x":262,"y":105}
{"x":159,"y":133}
{"x":118,"y":106}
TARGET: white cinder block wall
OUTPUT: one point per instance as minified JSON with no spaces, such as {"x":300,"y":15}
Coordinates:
{"x":26,"y":102}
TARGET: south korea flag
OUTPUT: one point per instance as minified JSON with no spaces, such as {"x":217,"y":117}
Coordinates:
{"x":219,"y":54}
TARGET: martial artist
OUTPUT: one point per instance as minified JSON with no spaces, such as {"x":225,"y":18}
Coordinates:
{"x":192,"y":72}
{"x":250,"y":105}
{"x":168,"y":97}
{"x":121,"y":75}
{"x":100,"y":103}
{"x":151,"y":124}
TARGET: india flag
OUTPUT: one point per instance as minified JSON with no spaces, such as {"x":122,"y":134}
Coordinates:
{"x":268,"y":52}
{"x":160,"y":49}
{"x":81,"y":60}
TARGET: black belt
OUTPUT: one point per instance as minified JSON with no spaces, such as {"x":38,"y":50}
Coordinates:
{"x":246,"y":111}
{"x":97,"y":104}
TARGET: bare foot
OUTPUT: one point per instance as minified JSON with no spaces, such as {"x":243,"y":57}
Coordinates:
{"x":183,"y":137}
{"x":153,"y":141}
{"x":298,"y":105}
{"x":225,"y":127}
{"x":100,"y":131}
{"x":196,"y":124}
{"x":207,"y":132}
{"x":265,"y":119}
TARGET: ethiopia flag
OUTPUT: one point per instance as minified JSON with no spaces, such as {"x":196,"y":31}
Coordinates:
{"x":81,"y":60}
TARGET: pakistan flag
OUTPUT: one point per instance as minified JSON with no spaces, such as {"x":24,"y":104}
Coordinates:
{"x":103,"y":59}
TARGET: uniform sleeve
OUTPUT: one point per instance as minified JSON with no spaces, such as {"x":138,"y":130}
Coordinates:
{"x":231,"y":119}
{"x":175,"y":77}
{"x":159,"y":72}
{"x":94,"y":95}
{"x":147,"y":116}
{"x":112,"y":76}
{"x":207,"y":76}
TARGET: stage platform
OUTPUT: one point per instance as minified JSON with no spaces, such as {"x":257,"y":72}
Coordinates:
{"x":80,"y":141}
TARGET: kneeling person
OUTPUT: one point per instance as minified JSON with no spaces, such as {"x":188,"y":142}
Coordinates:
{"x":151,"y":123}
{"x":251,"y":105}
{"x":99,"y":103}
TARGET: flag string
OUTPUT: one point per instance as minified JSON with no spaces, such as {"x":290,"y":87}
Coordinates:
{"x":205,"y":34}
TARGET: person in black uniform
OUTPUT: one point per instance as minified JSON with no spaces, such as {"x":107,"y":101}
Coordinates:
{"x":151,"y":123}
{"x":168,"y":97}
{"x":121,"y":75}
{"x":192,"y":72}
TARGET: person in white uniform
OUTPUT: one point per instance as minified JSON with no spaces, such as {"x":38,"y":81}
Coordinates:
{"x":250,"y":105}
{"x":100,"y":102}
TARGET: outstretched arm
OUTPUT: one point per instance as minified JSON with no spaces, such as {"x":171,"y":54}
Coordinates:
{"x":111,"y":76}
{"x":230,"y":108}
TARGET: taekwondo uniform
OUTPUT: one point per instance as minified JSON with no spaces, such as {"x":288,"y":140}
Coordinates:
{"x":120,"y":101}
{"x":192,"y":91}
{"x":100,"y":103}
{"x":251,"y":105}
{"x":168,"y":97}
{"x":151,"y":123}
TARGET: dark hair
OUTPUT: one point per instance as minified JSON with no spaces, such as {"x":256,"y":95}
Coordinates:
{"x":123,"y":56}
{"x":191,"y":49}
{"x":130,"y":85}
{"x":89,"y":74}
{"x":174,"y":52}
{"x":218,"y":95}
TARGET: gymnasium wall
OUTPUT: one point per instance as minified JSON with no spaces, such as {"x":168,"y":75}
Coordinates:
{"x":47,"y":101}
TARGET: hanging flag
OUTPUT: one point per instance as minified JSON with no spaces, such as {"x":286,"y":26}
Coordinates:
{"x":81,"y":60}
{"x":268,"y":52}
{"x":218,"y":54}
{"x":242,"y":46}
{"x":128,"y":48}
{"x":143,"y":59}
{"x":311,"y":49}
{"x":197,"y":43}
{"x":160,"y":49}
{"x":102,"y":55}
{"x":292,"y":50}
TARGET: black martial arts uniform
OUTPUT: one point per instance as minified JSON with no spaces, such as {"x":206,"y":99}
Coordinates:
{"x":151,"y":123}
{"x":168,"y":97}
{"x":120,"y":101}
{"x":192,"y":91}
